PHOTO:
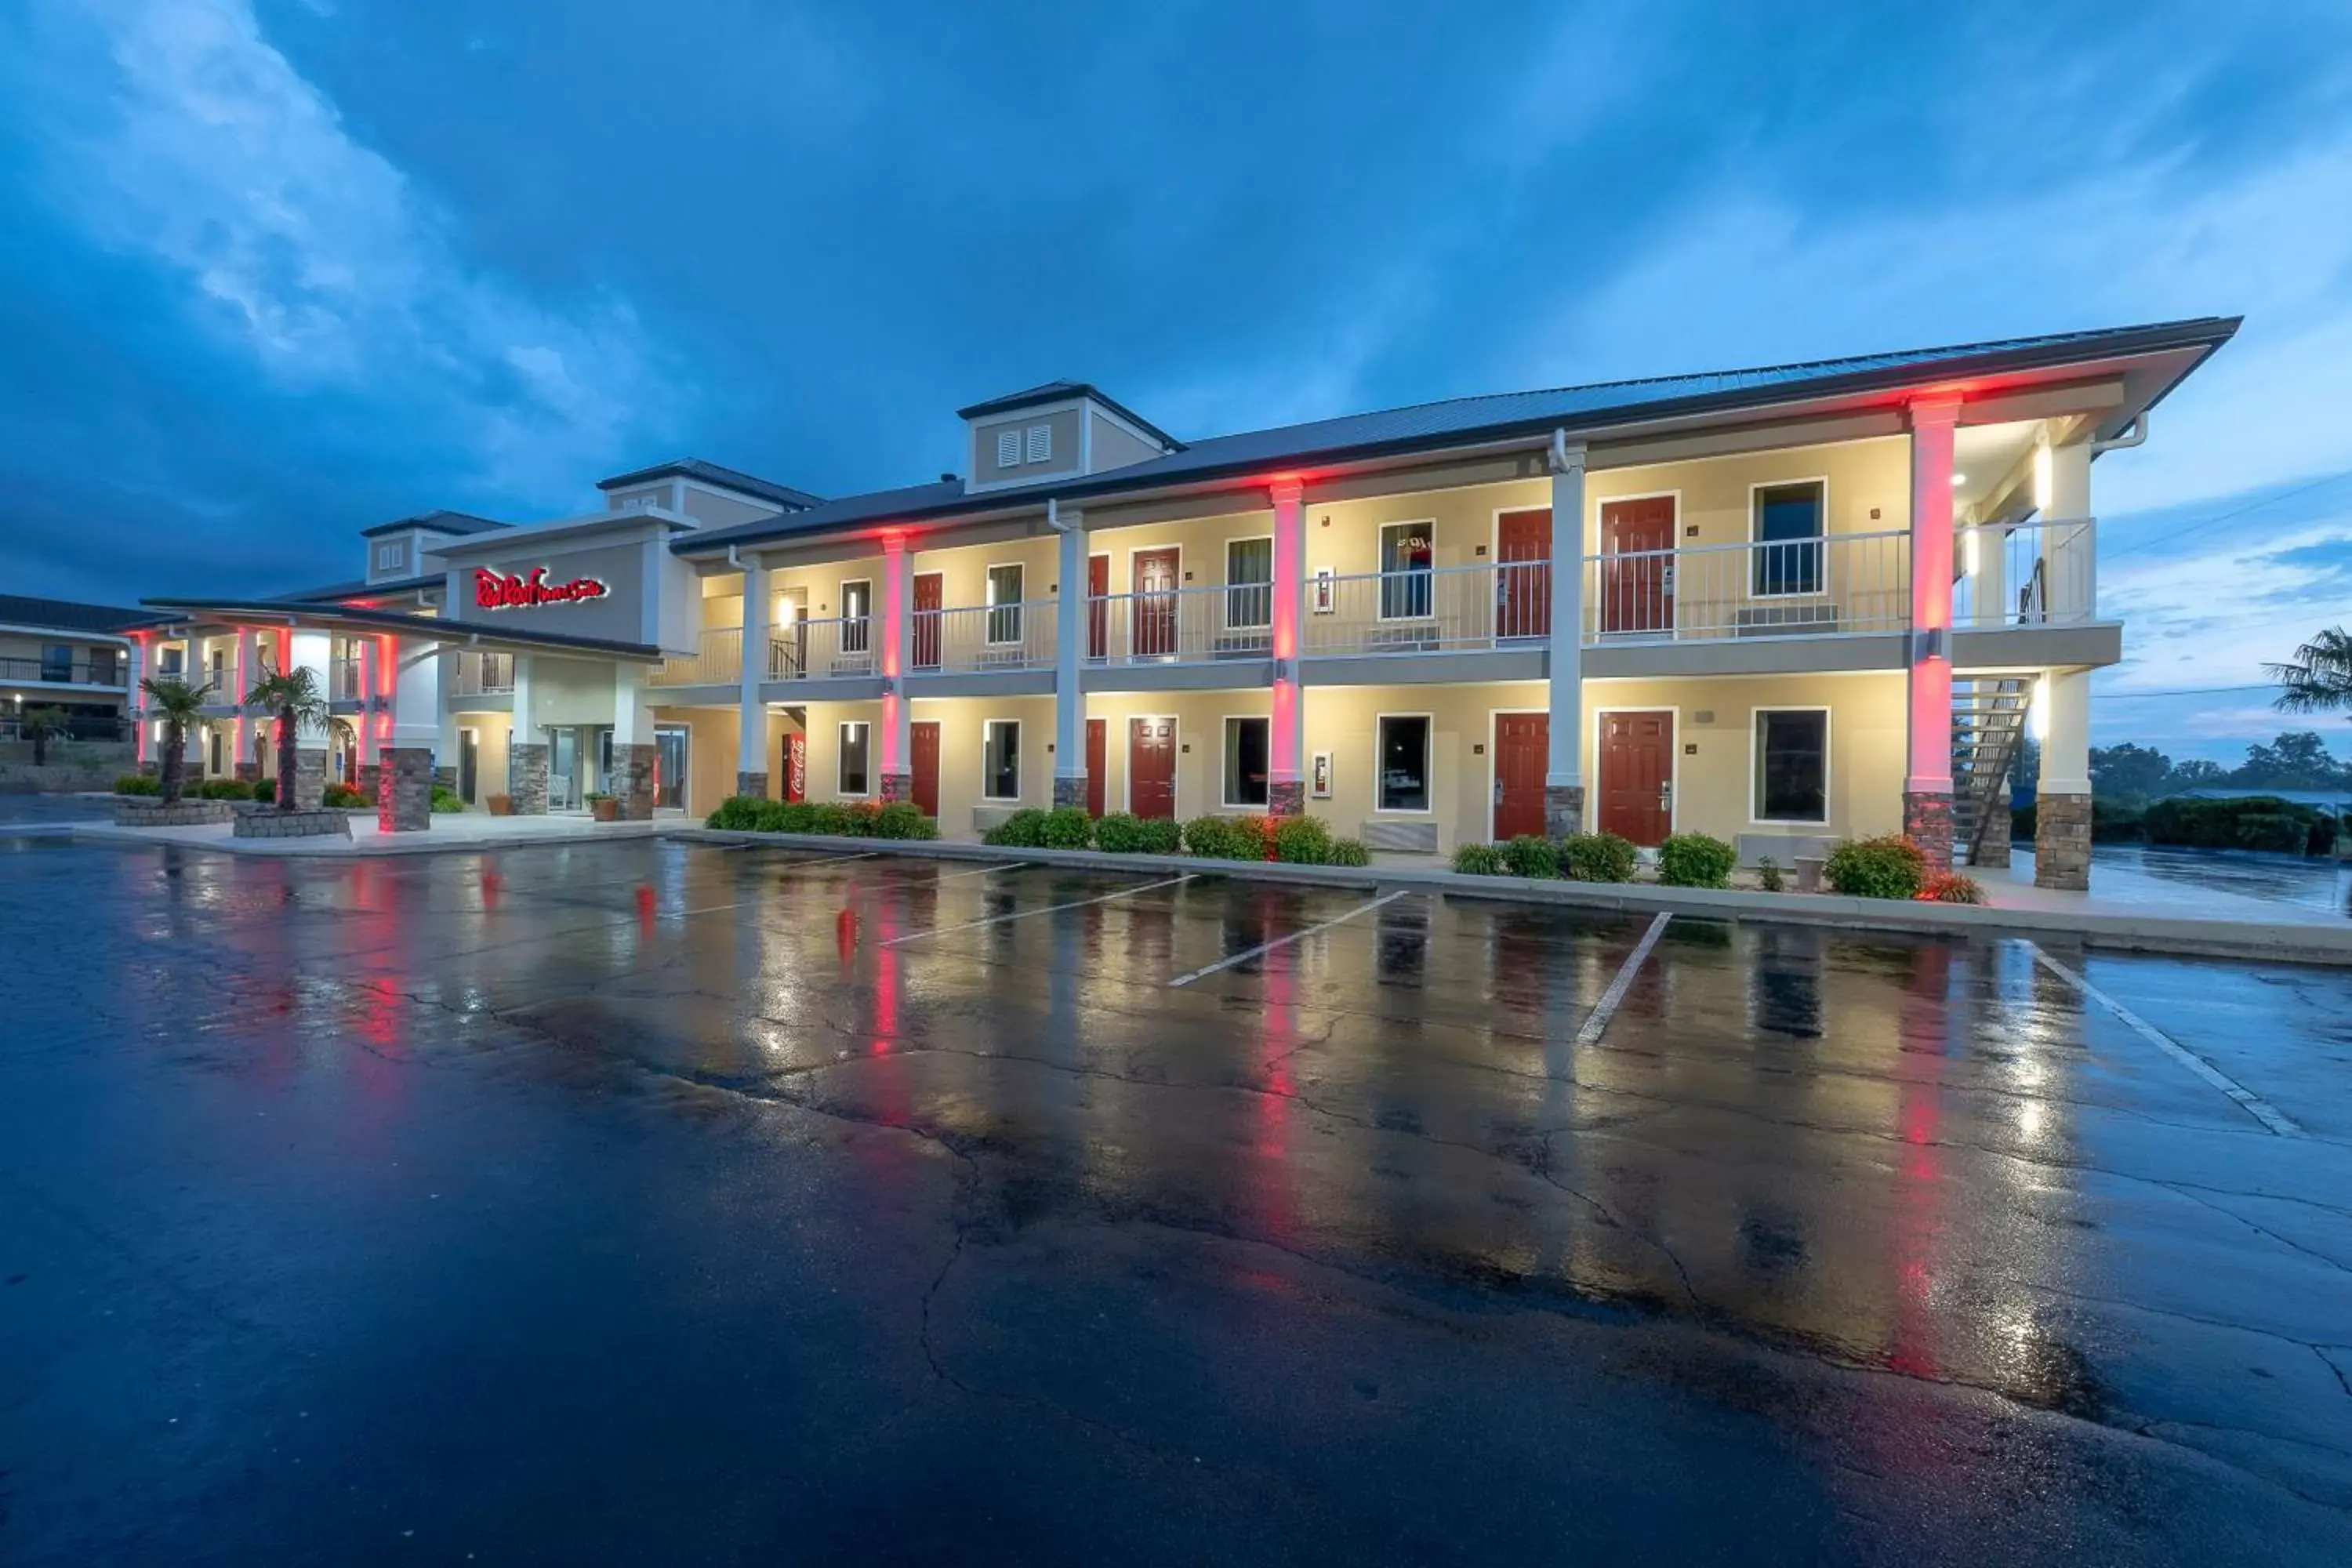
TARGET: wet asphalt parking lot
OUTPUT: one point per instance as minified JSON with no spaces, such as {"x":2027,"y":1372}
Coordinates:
{"x":658,"y":1202}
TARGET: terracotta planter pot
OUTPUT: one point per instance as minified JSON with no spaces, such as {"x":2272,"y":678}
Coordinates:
{"x":500,"y":804}
{"x":605,"y":810}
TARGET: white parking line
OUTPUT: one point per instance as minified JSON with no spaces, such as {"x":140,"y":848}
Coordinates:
{"x":827,"y":860}
{"x":1266,"y":947}
{"x":1048,"y":909}
{"x":975,"y":871}
{"x":1606,"y":1009}
{"x":2254,"y":1104}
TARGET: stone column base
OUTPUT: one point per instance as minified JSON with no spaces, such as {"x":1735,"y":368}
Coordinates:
{"x":1992,"y":848}
{"x":310,"y":779}
{"x":752,"y":784}
{"x":152,"y":768}
{"x":896,"y":787}
{"x":632,"y":784}
{"x":1563,"y":810}
{"x":371,"y":774}
{"x":447,"y":778}
{"x":1285,"y":797}
{"x":2061,"y":843}
{"x":530,"y":761}
{"x":1069,"y":791}
{"x":1928,"y":822}
{"x":404,"y":800}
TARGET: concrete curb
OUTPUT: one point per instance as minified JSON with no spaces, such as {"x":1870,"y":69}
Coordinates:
{"x":2133,"y":933}
{"x":328,"y":848}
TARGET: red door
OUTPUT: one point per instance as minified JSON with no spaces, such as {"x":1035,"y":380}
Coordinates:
{"x":1153,"y":581}
{"x":1097,"y":605}
{"x":927,"y":588}
{"x":1522,"y":753}
{"x":1098,"y":764}
{"x":1637,"y":592}
{"x":1151,"y":767}
{"x":1523,"y":574}
{"x":923,"y":742}
{"x":1637,"y":776}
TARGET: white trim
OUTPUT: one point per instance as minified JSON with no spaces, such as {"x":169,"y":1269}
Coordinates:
{"x":988,"y":594}
{"x":1821,"y":590}
{"x":1224,"y":720}
{"x":1381,"y":571}
{"x":1827,"y":761}
{"x":1597,"y":607}
{"x":1008,"y":439}
{"x":1428,"y":767}
{"x":839,"y":750}
{"x":1177,"y":607}
{"x":985,"y":726}
{"x":1229,"y":586}
{"x":1599,"y":793}
{"x":841,"y":614}
{"x":1037,"y":441}
{"x":1494,"y":757}
{"x":1175,"y":767}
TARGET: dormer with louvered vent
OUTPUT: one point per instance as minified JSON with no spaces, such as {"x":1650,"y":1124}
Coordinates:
{"x":1059,"y":430}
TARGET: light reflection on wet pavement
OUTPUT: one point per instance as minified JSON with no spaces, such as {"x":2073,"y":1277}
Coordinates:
{"x":343,"y":1202}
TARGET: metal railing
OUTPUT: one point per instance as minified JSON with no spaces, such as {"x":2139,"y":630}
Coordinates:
{"x":1438,"y":609}
{"x":1181,"y":625}
{"x":1828,"y":585}
{"x":481,"y":675}
{"x":816,"y":649}
{"x":112,"y":673}
{"x":983,"y":637}
{"x":343,"y":679}
{"x":2042,"y":573}
{"x":716,"y":660}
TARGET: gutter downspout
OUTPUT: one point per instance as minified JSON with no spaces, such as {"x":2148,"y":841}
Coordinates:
{"x":2135,"y":435}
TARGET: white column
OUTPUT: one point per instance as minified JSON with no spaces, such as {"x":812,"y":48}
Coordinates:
{"x":1927,"y":778}
{"x":416,"y":696}
{"x":1070,"y":613}
{"x":897,"y":653}
{"x":1564,"y":769}
{"x":523,"y":730}
{"x":134,"y":670}
{"x":371,"y":686}
{"x":751,"y":713}
{"x":633,"y":716}
{"x":247,"y":670}
{"x":2065,"y":696}
{"x":1286,"y":734}
{"x":2070,"y":563}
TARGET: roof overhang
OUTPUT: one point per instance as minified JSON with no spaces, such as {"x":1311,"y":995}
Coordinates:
{"x":251,"y":614}
{"x":568,"y":531}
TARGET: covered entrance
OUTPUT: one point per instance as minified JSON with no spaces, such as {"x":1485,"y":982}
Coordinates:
{"x":1637,"y":775}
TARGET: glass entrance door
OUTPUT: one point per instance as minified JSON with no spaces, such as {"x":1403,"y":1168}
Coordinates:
{"x":564,"y":769}
{"x":669,"y":767}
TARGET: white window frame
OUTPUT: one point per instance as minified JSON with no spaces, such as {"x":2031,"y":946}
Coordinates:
{"x":1755,"y":742}
{"x":988,"y":583}
{"x":841,"y":754}
{"x":1265,"y":588}
{"x":843,"y":620}
{"x":987,"y":729}
{"x":1226,"y":758}
{"x":1428,"y":767}
{"x":1008,"y":448}
{"x":1755,"y":522}
{"x":1040,"y":444}
{"x":1380,"y":574}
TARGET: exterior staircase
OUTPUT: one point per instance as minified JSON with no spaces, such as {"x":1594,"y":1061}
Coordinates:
{"x":1988,"y":723}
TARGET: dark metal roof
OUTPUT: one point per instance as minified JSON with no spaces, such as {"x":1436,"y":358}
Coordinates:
{"x":785,"y":495}
{"x":71,"y":615}
{"x":456,"y":523}
{"x":1063,"y":392}
{"x":330,"y":617}
{"x":358,"y":587}
{"x":1469,"y":421}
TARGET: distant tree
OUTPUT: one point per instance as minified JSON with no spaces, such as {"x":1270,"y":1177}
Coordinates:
{"x":2318,"y":680}
{"x":2025,"y":772}
{"x":42,"y":725}
{"x":2129,"y":771}
{"x":2192,"y":771}
{"x":2297,"y":760}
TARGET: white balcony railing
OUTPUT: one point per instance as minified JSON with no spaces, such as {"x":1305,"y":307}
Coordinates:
{"x":1438,"y":610}
{"x":2033,"y":574}
{"x":1836,"y":583}
{"x":343,"y":679}
{"x":716,"y":660}
{"x":818,"y":650}
{"x":983,"y":637}
{"x":1182,"y":626}
{"x":481,"y":675}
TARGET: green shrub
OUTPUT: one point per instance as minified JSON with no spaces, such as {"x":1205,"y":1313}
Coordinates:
{"x":1696,"y":860}
{"x":138,"y":784}
{"x":266,"y":790}
{"x":2260,"y":822}
{"x":1479,"y":860}
{"x":736,"y":814}
{"x":1349,"y":852}
{"x":1598,"y":857}
{"x":1226,"y":837}
{"x":1024,"y":829}
{"x":1768,"y":874}
{"x":1302,"y":841}
{"x":844,"y":818}
{"x":1162,"y":835}
{"x":780,"y":816}
{"x":1120,"y":832}
{"x":2113,"y":824}
{"x":1951,"y":887}
{"x":343,"y":795}
{"x":447,"y":800}
{"x":1891,"y":866}
{"x":223,"y":789}
{"x":1068,"y":827}
{"x":1529,"y":855}
{"x":904,"y":819}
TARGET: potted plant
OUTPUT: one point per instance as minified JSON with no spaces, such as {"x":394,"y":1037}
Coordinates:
{"x":500,"y":804}
{"x":603,"y":806}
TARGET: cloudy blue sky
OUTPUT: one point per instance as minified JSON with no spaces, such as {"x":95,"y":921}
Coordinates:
{"x":274,"y":269}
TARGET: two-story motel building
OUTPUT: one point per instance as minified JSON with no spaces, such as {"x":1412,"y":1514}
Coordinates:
{"x":1782,"y":607}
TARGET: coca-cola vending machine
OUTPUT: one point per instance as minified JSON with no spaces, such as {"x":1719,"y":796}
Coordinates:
{"x":796,"y":767}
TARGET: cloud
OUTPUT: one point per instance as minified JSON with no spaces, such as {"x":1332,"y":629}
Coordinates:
{"x":318,"y":260}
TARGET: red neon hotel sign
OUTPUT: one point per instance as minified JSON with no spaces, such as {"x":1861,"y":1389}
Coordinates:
{"x":503,"y":590}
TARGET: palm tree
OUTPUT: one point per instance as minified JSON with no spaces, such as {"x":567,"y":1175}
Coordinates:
{"x":177,"y":703}
{"x":294,"y":698}
{"x":2318,"y":680}
{"x":40,"y":726}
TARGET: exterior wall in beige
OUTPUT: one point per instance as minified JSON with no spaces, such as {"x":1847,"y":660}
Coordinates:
{"x":964,"y":572}
{"x":709,"y":754}
{"x":816,"y":589}
{"x":1343,"y":721}
{"x":570,"y":691}
{"x":1199,"y":739}
{"x":1200,"y":540}
{"x":715,"y":511}
{"x":824,"y":721}
{"x":493,"y":733}
{"x":1345,"y":536}
{"x":1115,"y":448}
{"x":1064,"y":443}
{"x":1714,"y":493}
{"x":961,"y":722}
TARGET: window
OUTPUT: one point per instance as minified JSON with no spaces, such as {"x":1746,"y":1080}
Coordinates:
{"x":1405,"y":562}
{"x":1247,"y":743}
{"x":1249,"y":583}
{"x":1404,"y":762}
{"x":852,"y":776}
{"x":169,"y":661}
{"x":392,"y":554}
{"x":57,"y":661}
{"x":1008,"y":448}
{"x":1792,"y":764}
{"x":856,"y":617}
{"x":1787,"y":530}
{"x":1041,"y":443}
{"x":1000,"y":760}
{"x":1005,"y":603}
{"x":105,"y":667}
{"x":216,"y":768}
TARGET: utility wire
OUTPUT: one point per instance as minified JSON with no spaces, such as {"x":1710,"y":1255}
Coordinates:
{"x":2227,"y":516}
{"x":2192,"y":690}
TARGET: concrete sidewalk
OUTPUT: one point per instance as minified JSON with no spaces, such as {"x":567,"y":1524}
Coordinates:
{"x":451,"y":833}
